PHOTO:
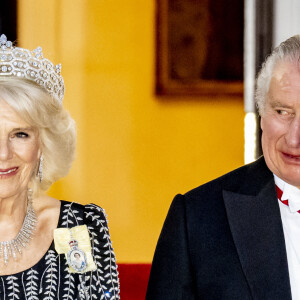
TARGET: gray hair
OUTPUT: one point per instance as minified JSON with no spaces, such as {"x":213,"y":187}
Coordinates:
{"x":288,"y":51}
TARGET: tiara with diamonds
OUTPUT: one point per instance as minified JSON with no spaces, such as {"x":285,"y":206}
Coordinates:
{"x":22,"y":63}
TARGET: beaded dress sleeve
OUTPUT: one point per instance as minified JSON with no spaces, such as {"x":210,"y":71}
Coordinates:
{"x":103,"y":283}
{"x":105,"y":278}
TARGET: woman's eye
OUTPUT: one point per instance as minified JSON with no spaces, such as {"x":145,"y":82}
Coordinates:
{"x":21,"y":135}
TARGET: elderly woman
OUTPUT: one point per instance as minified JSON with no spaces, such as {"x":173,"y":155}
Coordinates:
{"x":41,"y":238}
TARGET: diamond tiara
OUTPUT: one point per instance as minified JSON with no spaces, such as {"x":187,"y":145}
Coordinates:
{"x":22,"y":63}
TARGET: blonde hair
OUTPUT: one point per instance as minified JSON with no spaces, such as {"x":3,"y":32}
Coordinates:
{"x":56,"y":128}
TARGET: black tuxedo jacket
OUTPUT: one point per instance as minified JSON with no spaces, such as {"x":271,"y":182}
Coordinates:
{"x":223,"y":240}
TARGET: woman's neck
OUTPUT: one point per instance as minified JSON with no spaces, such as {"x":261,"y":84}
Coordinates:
{"x":12,"y":214}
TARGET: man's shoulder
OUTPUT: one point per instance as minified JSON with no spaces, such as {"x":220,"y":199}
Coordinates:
{"x":247,"y":179}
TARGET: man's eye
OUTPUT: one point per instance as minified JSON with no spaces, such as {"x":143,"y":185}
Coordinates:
{"x":282,"y":112}
{"x":21,"y":135}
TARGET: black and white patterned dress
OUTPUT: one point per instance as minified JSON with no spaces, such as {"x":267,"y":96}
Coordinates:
{"x":49,"y":279}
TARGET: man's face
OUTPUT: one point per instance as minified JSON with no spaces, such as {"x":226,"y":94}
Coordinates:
{"x":280,"y":123}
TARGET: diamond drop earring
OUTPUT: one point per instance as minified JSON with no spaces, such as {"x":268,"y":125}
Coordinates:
{"x":40,"y":169}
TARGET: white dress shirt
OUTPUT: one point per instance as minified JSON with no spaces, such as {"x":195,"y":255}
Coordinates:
{"x":291,"y":228}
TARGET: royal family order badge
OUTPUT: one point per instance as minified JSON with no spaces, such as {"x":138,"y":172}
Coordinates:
{"x":76,"y":257}
{"x":75,"y":243}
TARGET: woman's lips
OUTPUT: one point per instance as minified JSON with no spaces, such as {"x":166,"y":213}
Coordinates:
{"x":8,"y":172}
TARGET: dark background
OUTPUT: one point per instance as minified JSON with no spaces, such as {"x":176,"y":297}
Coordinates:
{"x":8,"y":19}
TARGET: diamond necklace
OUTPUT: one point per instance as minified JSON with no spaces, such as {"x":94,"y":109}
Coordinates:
{"x":14,"y":246}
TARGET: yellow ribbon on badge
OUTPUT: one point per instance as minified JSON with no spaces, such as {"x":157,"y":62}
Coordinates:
{"x":62,"y":237}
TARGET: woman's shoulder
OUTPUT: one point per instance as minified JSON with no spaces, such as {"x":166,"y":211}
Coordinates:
{"x":94,"y":217}
{"x":74,"y":214}
{"x":91,"y":207}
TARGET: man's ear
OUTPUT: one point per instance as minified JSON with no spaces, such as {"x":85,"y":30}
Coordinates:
{"x":262,"y":123}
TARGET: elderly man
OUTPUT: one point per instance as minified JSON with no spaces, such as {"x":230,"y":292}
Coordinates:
{"x":238,"y":237}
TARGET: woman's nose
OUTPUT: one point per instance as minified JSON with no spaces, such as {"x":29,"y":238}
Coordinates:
{"x":5,"y":149}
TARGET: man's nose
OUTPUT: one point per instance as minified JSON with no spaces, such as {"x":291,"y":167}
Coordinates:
{"x":293,"y":134}
{"x":5,"y":149}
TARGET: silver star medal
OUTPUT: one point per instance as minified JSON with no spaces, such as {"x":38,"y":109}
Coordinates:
{"x":76,"y":257}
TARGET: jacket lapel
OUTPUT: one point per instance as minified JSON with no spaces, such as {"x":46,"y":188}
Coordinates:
{"x":257,"y":232}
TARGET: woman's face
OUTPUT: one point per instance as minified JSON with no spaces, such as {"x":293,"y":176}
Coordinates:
{"x":19,"y":152}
